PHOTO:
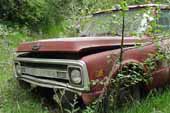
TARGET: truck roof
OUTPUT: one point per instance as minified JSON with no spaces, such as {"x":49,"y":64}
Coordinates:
{"x":161,"y":6}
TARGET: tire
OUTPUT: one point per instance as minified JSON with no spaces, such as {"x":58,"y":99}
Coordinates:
{"x":129,"y":94}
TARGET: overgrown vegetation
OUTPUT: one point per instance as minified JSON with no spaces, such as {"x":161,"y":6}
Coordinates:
{"x":45,"y":17}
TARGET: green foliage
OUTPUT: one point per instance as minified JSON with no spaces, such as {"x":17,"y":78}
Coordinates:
{"x":38,"y":15}
{"x":27,"y":12}
{"x":131,"y":74}
{"x":73,"y":109}
{"x":13,"y":99}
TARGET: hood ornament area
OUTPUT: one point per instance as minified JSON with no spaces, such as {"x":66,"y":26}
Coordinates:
{"x":36,"y":47}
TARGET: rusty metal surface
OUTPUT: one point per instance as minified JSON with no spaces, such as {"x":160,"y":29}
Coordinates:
{"x":161,"y":75}
{"x":98,"y":61}
{"x":77,"y":44}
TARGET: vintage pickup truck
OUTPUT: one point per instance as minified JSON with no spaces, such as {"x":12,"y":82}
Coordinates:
{"x":73,"y":63}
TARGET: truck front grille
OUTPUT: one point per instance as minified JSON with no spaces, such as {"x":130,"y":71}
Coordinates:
{"x":57,"y":72}
{"x":51,"y":73}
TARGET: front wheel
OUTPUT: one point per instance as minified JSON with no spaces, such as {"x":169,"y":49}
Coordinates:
{"x":129,"y":94}
{"x":130,"y":80}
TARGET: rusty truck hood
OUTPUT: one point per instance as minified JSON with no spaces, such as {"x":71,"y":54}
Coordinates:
{"x":77,"y":44}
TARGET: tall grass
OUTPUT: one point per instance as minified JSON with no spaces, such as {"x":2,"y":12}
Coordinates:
{"x":13,"y":99}
{"x":155,"y":102}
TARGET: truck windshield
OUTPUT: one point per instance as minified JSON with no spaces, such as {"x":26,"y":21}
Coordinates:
{"x":110,"y":24}
{"x":164,"y":20}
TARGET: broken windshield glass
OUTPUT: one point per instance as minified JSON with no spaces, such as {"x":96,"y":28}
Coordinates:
{"x":110,"y":24}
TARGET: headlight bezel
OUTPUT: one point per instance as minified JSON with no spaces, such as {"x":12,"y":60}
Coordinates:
{"x":72,"y":82}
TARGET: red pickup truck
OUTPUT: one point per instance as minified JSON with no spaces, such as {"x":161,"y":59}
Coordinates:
{"x":73,"y":64}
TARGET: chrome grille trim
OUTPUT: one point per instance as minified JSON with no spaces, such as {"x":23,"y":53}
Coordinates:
{"x":50,"y":83}
{"x":43,"y":72}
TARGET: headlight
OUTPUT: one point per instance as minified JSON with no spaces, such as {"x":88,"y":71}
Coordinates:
{"x":75,"y":75}
{"x":18,"y":69}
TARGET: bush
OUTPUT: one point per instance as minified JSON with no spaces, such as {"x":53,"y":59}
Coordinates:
{"x":27,"y":12}
{"x":38,"y":15}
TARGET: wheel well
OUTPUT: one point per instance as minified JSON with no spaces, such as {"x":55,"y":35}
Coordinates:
{"x":135,"y":72}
